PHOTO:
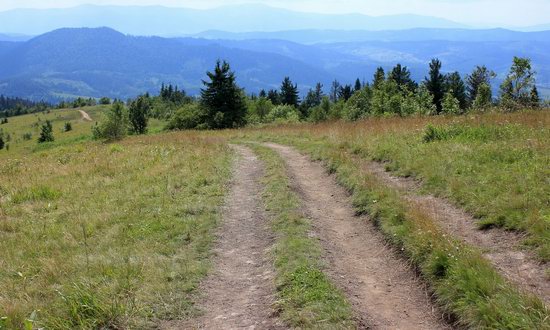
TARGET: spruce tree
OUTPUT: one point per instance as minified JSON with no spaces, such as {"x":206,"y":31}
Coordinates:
{"x":436,"y":84}
{"x":402,"y":77}
{"x":455,"y":85}
{"x":138,"y":114}
{"x":535,"y":98}
{"x":379,"y":78}
{"x":289,"y":93}
{"x":222,"y":99}
{"x":46,"y":133}
{"x":274,"y":97}
{"x":481,"y":75}
{"x":358,"y":85}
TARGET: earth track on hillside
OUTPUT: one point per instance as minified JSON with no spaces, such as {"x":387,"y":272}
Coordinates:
{"x":85,"y":116}
{"x":383,"y":289}
{"x":240,"y":292}
{"x":502,"y":248}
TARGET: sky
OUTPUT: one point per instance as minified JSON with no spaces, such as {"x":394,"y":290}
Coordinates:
{"x":479,"y":13}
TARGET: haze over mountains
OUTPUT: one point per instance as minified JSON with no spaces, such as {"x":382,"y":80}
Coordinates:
{"x":163,"y":21}
{"x":263,"y":45}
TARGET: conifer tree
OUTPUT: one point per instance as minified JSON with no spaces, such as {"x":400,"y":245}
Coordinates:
{"x":289,"y":93}
{"x":402,"y":77}
{"x":455,"y":85}
{"x":436,"y":84}
{"x":379,"y":78}
{"x":358,"y":85}
{"x":46,"y":132}
{"x":138,"y":114}
{"x":222,"y":99}
{"x":481,"y":75}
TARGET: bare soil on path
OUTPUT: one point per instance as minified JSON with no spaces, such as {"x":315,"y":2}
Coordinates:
{"x":501,"y":248}
{"x":85,"y":115}
{"x":239,"y":293}
{"x":383,"y":289}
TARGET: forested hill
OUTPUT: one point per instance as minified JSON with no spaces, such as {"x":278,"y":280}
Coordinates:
{"x":97,"y":62}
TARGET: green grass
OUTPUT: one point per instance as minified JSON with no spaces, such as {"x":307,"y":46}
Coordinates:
{"x":100,"y":235}
{"x":25,"y":130}
{"x":465,"y":284}
{"x":497,"y":171}
{"x":307,"y":298}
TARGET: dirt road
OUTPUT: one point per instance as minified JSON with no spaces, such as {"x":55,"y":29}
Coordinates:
{"x":384,"y":291}
{"x":239,"y":293}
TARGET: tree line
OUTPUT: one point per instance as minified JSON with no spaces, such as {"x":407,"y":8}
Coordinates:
{"x":223,"y":104}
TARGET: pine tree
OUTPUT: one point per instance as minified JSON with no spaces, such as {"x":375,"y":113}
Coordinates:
{"x":484,"y":97}
{"x":222,"y":99}
{"x":2,"y":143}
{"x":402,"y":77}
{"x":535,"y":98}
{"x":379,"y":78}
{"x":450,"y":104}
{"x":274,"y":97}
{"x":455,"y":85}
{"x":46,"y":133}
{"x":345,"y":92}
{"x":436,"y":84}
{"x":358,"y":85}
{"x":138,"y":114}
{"x":289,"y":93}
{"x":481,"y":75}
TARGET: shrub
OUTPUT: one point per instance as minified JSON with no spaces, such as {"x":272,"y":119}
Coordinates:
{"x":283,"y":114}
{"x":115,"y":124}
{"x":139,"y":114}
{"x":68,"y":127}
{"x":46,"y":132}
{"x":190,"y":116}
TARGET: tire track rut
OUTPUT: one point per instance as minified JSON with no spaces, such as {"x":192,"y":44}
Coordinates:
{"x":240,"y":291}
{"x":384,"y":291}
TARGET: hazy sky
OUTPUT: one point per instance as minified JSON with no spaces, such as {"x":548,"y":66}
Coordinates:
{"x":475,"y":12}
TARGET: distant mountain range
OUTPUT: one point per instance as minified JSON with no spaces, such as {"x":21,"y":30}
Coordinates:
{"x":163,"y":21}
{"x":103,"y":62}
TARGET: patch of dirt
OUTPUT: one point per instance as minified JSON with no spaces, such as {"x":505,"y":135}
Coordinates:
{"x":239,"y":293}
{"x":500,"y":247}
{"x":383,"y":289}
{"x":85,"y":116}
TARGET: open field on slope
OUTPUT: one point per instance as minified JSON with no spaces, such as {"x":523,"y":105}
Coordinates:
{"x":25,"y":130}
{"x":119,"y":235}
{"x":108,"y":235}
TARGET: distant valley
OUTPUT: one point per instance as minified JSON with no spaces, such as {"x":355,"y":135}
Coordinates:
{"x":95,"y":62}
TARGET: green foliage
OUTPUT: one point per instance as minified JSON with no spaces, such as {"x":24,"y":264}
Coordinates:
{"x":402,"y":77}
{"x":436,"y":84}
{"x":321,"y":112}
{"x":283,"y":114}
{"x":258,"y":110}
{"x":484,"y":97}
{"x":189,"y":116}
{"x":105,"y":101}
{"x":222,"y":100}
{"x":138,"y":113}
{"x":2,"y":143}
{"x":358,"y":106}
{"x":115,"y":124}
{"x":450,"y":104}
{"x":67,"y":127}
{"x":455,"y":86}
{"x":515,"y":91}
{"x":46,"y":132}
{"x":481,"y":76}
{"x":289,"y":93}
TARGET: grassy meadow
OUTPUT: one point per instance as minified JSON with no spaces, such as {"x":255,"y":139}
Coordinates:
{"x":493,"y":165}
{"x":98,"y":235}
